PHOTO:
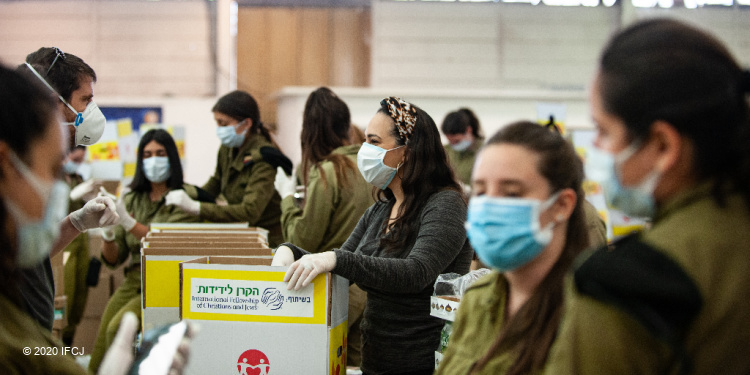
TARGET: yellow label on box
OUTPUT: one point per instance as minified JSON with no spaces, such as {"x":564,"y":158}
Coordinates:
{"x":251,"y":296}
{"x":337,"y":349}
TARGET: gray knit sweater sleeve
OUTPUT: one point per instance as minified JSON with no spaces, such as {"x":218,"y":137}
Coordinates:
{"x":440,"y":246}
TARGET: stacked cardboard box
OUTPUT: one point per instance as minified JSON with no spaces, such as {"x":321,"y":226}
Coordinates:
{"x":166,"y":245}
{"x":251,"y":324}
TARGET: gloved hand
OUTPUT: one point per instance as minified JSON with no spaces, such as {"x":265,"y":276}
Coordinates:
{"x":86,"y":190}
{"x":127,"y":222}
{"x":284,"y":184}
{"x":98,"y":212}
{"x":180,"y":199}
{"x":283,"y":257}
{"x":303,"y":271}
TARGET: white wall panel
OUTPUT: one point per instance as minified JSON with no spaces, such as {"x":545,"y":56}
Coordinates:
{"x":137,"y":48}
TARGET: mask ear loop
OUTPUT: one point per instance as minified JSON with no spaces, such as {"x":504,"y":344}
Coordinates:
{"x":79,"y":116}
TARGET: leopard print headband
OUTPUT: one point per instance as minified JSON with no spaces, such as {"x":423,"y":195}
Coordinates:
{"x":402,"y":113}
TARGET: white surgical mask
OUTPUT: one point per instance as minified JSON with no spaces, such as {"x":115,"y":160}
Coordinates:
{"x":370,"y":163}
{"x":228,"y":135}
{"x":36,"y":236}
{"x":156,"y":168}
{"x":89,"y":124}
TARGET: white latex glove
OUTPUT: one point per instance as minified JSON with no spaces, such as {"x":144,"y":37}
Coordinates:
{"x":283,"y":257}
{"x":180,"y":199}
{"x":284,"y":184}
{"x":303,"y":271}
{"x":86,"y":190}
{"x":98,"y":212}
{"x":127,"y":222}
{"x":120,"y":356}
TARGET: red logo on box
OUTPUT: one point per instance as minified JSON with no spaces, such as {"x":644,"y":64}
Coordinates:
{"x":253,"y":362}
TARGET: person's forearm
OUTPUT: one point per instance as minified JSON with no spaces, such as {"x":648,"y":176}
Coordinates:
{"x":67,"y":234}
{"x":139,"y":230}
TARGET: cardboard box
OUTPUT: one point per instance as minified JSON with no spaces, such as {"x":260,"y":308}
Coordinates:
{"x":61,"y":314}
{"x":250,"y":323}
{"x":160,"y":278}
{"x":444,"y":307}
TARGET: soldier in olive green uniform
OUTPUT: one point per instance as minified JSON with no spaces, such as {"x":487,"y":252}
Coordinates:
{"x":527,"y":221}
{"x":244,"y":179}
{"x":336,"y":194}
{"x":76,"y":267}
{"x":464,"y":141}
{"x":158,"y":171}
{"x":673,"y":137}
{"x":331,"y":210}
{"x":245,"y":170}
{"x":77,"y":264}
{"x":462,"y":162}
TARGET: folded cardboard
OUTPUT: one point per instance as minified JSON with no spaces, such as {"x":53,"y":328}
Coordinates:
{"x":160,"y":278}
{"x":251,"y":324}
{"x":61,"y":315}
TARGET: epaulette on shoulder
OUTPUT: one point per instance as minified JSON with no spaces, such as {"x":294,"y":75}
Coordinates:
{"x":646,"y":284}
{"x":273,"y":156}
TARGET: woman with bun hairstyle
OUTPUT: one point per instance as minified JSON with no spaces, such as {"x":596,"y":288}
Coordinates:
{"x":670,"y":107}
{"x":243,"y":182}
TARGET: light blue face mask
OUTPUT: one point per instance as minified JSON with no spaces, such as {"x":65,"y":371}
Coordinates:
{"x":505,"y":232}
{"x":156,"y":168}
{"x":229,"y":137}
{"x":71,"y":167}
{"x":35,"y":237}
{"x":463,"y":145}
{"x":636,"y":201}
{"x":370,"y":163}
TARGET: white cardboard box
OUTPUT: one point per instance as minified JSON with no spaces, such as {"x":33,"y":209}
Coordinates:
{"x":249,"y":320}
{"x":444,"y":307}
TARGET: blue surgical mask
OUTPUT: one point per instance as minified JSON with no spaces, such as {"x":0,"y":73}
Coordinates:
{"x":635,"y":201}
{"x":71,"y":167}
{"x":156,"y":168}
{"x":370,"y":163}
{"x":229,"y":137}
{"x":463,"y":145}
{"x":36,"y":236}
{"x":505,"y":232}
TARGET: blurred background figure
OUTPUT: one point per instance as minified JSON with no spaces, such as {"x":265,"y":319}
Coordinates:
{"x":77,"y":252}
{"x":465,"y":137}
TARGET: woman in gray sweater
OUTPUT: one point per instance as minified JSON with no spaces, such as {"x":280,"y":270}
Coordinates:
{"x":412,"y":234}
